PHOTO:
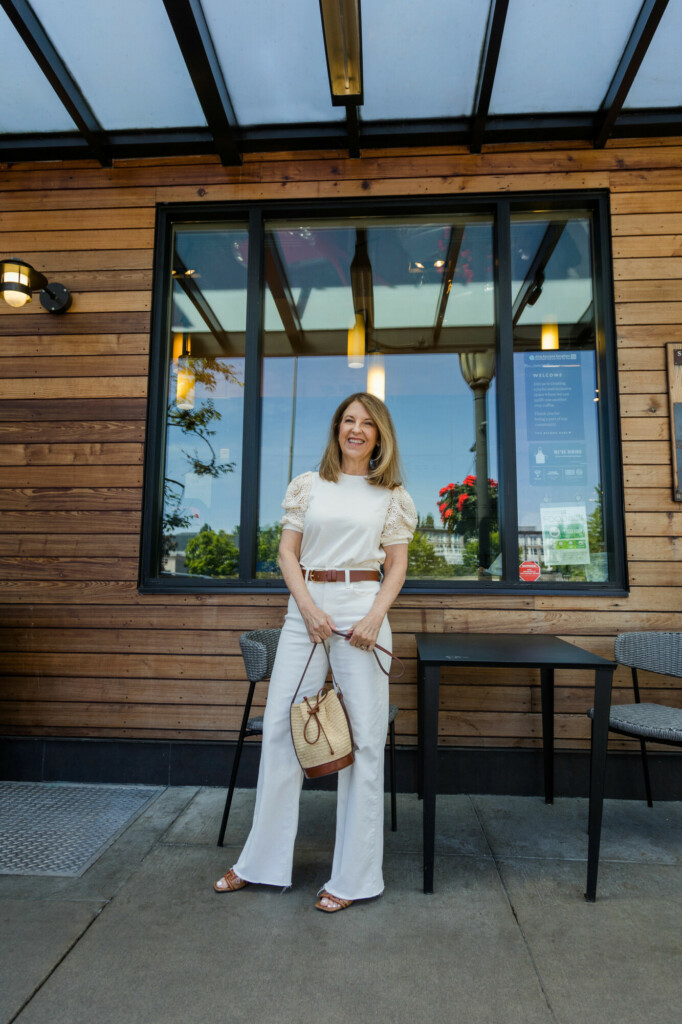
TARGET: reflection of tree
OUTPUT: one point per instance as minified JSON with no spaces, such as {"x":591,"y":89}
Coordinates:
{"x":268,"y":550}
{"x":211,"y":553}
{"x":595,"y":524}
{"x":470,"y":556}
{"x":422,"y":559}
{"x":196,"y":423}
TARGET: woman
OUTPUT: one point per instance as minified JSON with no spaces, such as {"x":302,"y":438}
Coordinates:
{"x":353,"y":517}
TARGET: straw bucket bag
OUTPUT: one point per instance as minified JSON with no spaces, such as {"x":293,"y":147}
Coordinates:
{"x":320,"y":726}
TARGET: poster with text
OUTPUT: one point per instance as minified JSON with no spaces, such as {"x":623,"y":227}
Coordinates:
{"x":564,"y":535}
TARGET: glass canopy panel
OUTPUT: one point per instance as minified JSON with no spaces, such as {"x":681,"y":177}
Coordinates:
{"x":126,"y":61}
{"x":658,"y":82}
{"x":403,"y":308}
{"x":273,"y":60}
{"x":205,"y":403}
{"x":560,"y":56}
{"x":420,"y":60}
{"x":556,"y":395}
{"x":29,"y":104}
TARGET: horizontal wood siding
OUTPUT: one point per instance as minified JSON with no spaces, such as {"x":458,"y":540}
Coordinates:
{"x":82,"y":653}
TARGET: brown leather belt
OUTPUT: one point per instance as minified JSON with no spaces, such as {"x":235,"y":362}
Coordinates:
{"x":339,"y":575}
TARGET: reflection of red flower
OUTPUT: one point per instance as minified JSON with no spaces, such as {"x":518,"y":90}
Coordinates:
{"x":459,"y":502}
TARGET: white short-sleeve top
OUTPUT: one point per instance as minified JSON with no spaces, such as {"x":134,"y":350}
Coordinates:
{"x":346,"y":524}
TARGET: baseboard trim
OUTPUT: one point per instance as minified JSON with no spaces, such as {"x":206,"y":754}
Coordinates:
{"x":501,"y":771}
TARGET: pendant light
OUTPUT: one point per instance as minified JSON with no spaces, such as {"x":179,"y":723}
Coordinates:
{"x":550,"y":337}
{"x":185,"y":376}
{"x":356,"y":343}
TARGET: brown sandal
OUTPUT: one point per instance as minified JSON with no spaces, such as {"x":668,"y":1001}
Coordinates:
{"x":232,"y":882}
{"x":341,"y":904}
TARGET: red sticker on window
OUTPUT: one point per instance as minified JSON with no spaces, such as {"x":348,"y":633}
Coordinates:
{"x":529,"y":571}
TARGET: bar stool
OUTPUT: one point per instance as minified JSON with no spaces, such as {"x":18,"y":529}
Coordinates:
{"x":259,"y":647}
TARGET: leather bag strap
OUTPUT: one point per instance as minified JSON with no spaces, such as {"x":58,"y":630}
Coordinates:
{"x":378,"y":647}
{"x":347,"y":636}
{"x":307,"y":665}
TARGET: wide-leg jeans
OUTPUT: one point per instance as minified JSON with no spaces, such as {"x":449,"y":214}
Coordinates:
{"x":268,"y":854}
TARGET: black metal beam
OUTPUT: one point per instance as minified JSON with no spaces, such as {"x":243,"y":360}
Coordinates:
{"x":278,"y":283}
{"x":454,"y":245}
{"x":58,"y":75}
{"x":353,"y":131}
{"x":194,"y":39}
{"x":486,"y":72}
{"x":200,"y":303}
{"x":196,"y":141}
{"x":529,"y":291}
{"x":647,"y":22}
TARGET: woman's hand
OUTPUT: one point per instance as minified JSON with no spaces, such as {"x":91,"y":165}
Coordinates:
{"x":364,"y":633}
{"x":317,"y":622}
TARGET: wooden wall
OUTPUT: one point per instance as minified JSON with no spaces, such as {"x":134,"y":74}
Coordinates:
{"x":83,"y":654}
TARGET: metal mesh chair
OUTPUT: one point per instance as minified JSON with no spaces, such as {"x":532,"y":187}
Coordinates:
{"x":259,"y":647}
{"x":652,"y":652}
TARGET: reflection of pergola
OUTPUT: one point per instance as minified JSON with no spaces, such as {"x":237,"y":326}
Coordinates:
{"x":178,"y":77}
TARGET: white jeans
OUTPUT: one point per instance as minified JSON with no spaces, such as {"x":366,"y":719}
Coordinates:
{"x":268,"y":854}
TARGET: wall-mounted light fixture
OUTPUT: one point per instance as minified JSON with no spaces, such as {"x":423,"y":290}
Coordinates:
{"x":343,"y":47}
{"x":18,"y":281}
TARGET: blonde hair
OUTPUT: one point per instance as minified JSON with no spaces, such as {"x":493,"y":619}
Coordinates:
{"x":385,"y":469}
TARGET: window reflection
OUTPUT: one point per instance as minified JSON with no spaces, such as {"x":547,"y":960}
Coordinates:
{"x":561,"y":526}
{"x":202,"y":473}
{"x":403,"y":308}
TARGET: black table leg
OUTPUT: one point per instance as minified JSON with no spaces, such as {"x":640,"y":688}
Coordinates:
{"x":547,"y":701}
{"x":603,"y":679}
{"x":429,"y":739}
{"x":420,"y":729}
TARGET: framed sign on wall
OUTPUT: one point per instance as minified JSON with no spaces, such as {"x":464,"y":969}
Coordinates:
{"x":675,"y":395}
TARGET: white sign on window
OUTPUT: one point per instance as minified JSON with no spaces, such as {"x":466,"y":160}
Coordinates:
{"x":564,"y":535}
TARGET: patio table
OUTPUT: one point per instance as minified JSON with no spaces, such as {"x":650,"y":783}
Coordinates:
{"x":501,"y":650}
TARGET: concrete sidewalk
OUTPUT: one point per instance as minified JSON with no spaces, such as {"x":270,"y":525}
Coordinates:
{"x":507,"y":937}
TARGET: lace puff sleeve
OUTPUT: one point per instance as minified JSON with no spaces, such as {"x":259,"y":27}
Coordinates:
{"x":401,"y":519}
{"x":295,"y":502}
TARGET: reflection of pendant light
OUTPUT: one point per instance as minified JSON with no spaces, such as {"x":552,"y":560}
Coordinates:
{"x":186,"y":377}
{"x":356,"y":343}
{"x":376,"y":376}
{"x":550,"y":337}
{"x":362,"y":289}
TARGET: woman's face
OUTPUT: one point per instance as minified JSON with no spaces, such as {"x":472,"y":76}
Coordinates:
{"x":358,"y":436}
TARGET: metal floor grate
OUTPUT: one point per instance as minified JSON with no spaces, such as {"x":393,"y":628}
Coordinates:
{"x":61,"y":828}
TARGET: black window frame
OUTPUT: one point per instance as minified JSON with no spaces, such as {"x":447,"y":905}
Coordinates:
{"x":501,"y":206}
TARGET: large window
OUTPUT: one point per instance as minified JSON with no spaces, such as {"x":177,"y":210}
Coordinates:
{"x":487,"y":328}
